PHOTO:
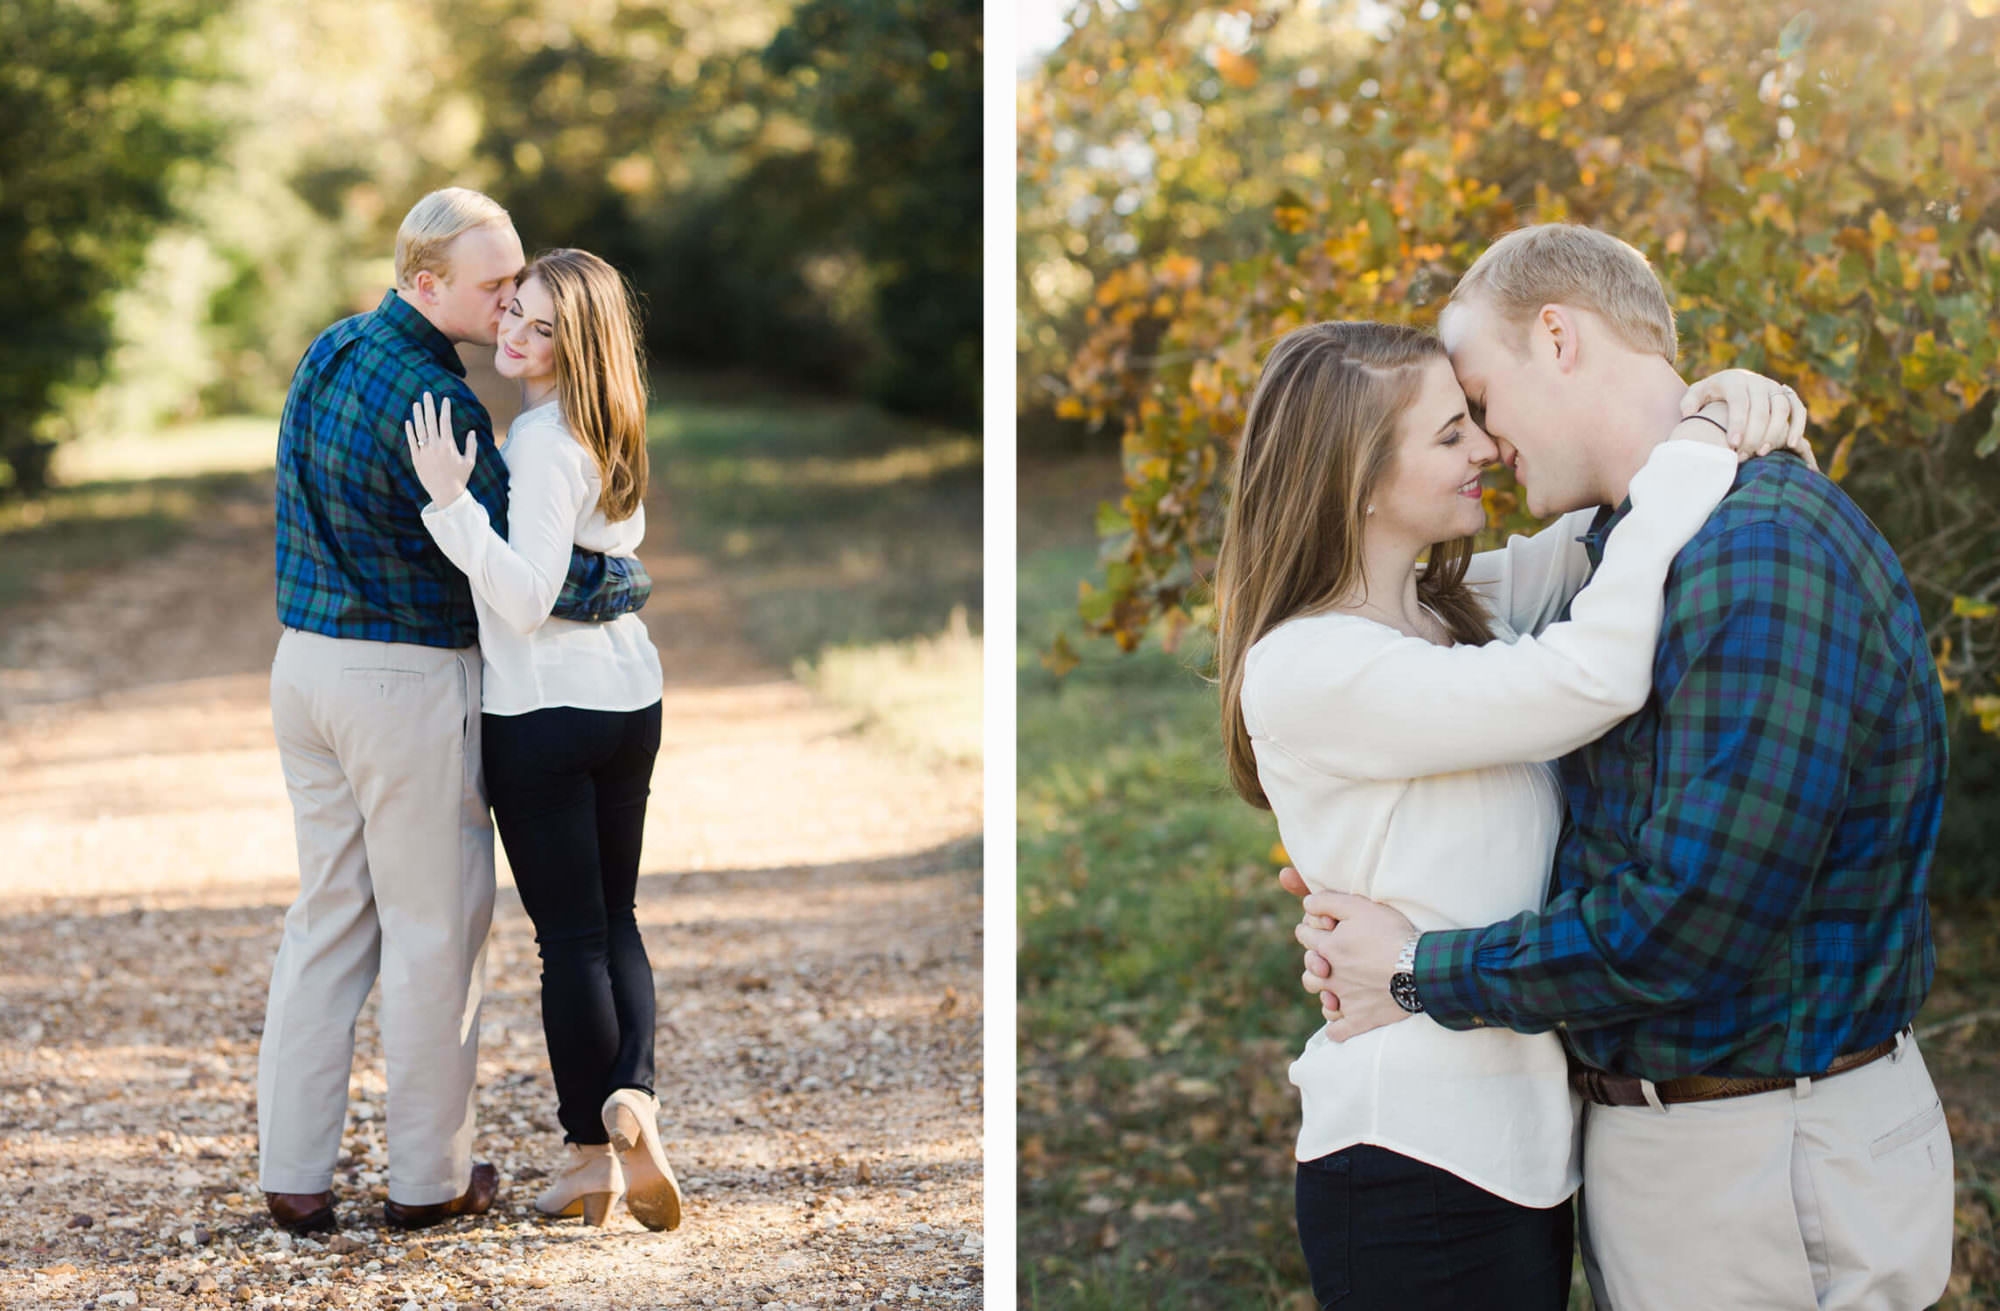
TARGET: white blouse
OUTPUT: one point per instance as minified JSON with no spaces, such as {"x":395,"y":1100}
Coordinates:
{"x":1413,"y":774}
{"x":530,"y":659}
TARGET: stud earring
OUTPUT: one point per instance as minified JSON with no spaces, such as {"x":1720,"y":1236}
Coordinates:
{"x":1371,"y":509}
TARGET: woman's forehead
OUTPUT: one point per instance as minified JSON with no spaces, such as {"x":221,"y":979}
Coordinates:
{"x":535,"y":300}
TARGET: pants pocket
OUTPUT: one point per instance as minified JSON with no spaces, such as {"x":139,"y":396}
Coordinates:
{"x":381,"y":684}
{"x":1908,"y":1132}
{"x":1323,"y":1195}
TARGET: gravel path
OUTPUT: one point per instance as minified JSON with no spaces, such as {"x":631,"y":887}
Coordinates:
{"x":810,"y":900}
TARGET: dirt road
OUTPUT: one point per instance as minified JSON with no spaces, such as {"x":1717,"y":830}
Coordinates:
{"x":810,"y":900}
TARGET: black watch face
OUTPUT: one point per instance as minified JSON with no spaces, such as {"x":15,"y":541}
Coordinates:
{"x":1403,"y":988}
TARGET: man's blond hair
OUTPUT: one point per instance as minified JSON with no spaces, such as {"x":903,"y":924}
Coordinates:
{"x":1569,"y":264}
{"x":433,"y":223}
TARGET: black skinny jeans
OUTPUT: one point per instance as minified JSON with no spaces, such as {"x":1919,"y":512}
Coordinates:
{"x":568,"y":789}
{"x":1383,"y":1231}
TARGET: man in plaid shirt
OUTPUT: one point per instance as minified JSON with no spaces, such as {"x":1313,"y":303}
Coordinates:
{"x":1737,"y":936}
{"x":375,"y":701}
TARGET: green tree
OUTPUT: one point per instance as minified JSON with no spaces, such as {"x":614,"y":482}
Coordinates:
{"x":894,"y":88}
{"x":107,"y":123}
{"x":795,"y":189}
{"x":293,"y":223}
{"x":198,"y":198}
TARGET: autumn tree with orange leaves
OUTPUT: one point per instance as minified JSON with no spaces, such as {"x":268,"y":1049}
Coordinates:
{"x":1820,"y":191}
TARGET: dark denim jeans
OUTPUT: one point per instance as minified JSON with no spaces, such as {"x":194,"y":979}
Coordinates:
{"x":568,"y":789}
{"x":1382,"y":1230}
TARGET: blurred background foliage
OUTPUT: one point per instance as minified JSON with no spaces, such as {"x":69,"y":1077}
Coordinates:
{"x":189,"y":191}
{"x":1818,"y":186}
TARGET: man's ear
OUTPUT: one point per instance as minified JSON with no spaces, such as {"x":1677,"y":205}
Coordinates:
{"x":425,"y":284}
{"x":1555,"y":334}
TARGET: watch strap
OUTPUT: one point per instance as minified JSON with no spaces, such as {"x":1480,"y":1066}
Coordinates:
{"x":1403,"y":981}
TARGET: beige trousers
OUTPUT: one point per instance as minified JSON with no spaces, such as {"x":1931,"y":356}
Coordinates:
{"x":380,"y":747}
{"x":1835,"y":1194}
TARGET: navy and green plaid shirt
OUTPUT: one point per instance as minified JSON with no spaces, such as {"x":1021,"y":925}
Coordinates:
{"x":1741,"y":889}
{"x":354,"y":559}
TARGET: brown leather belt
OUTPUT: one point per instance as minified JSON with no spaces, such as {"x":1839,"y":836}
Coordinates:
{"x":1604,"y":1089}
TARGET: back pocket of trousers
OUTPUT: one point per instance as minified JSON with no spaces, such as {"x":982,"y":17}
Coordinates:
{"x":381,"y":684}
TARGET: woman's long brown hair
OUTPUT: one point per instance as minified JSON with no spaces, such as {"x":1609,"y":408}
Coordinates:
{"x":600,"y":382}
{"x":1318,"y":438}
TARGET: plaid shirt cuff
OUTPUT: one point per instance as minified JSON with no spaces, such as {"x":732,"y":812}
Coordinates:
{"x":1447,"y":978}
{"x":600,"y":588}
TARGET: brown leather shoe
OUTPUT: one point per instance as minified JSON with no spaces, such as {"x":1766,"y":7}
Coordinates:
{"x":302,"y":1213}
{"x":477,"y":1199}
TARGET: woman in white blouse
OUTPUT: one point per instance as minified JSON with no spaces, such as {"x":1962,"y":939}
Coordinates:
{"x":570,"y":718}
{"x":1434,"y":1167}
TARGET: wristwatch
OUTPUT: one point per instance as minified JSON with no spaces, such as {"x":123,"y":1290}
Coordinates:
{"x":1403,"y":983}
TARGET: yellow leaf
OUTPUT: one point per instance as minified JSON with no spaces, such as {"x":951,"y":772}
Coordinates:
{"x":1772,"y":209}
{"x":1880,"y":228}
{"x":1965,"y":607}
{"x":1069,"y":407}
{"x":1836,"y":468}
{"x":1279,"y":856}
{"x":1823,"y":396}
{"x":1060,"y":658}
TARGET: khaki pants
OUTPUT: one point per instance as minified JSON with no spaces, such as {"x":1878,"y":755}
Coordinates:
{"x":1834,"y":1194}
{"x":380,"y":747}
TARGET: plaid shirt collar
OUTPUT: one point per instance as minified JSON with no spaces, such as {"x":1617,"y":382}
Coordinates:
{"x":1600,"y":530}
{"x":398,"y":317}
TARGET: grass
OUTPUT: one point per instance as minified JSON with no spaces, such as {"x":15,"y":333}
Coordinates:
{"x":836,"y":524}
{"x":851,"y":540}
{"x":922,"y":694}
{"x":127,"y":497}
{"x":238,"y":443}
{"x":1159,"y":999}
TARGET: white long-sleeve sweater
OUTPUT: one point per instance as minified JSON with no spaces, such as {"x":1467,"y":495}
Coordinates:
{"x":1415,"y":774}
{"x":530,"y":659}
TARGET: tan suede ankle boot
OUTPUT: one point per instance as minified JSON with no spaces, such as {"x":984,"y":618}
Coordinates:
{"x":652,"y":1194}
{"x":588,"y":1183}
